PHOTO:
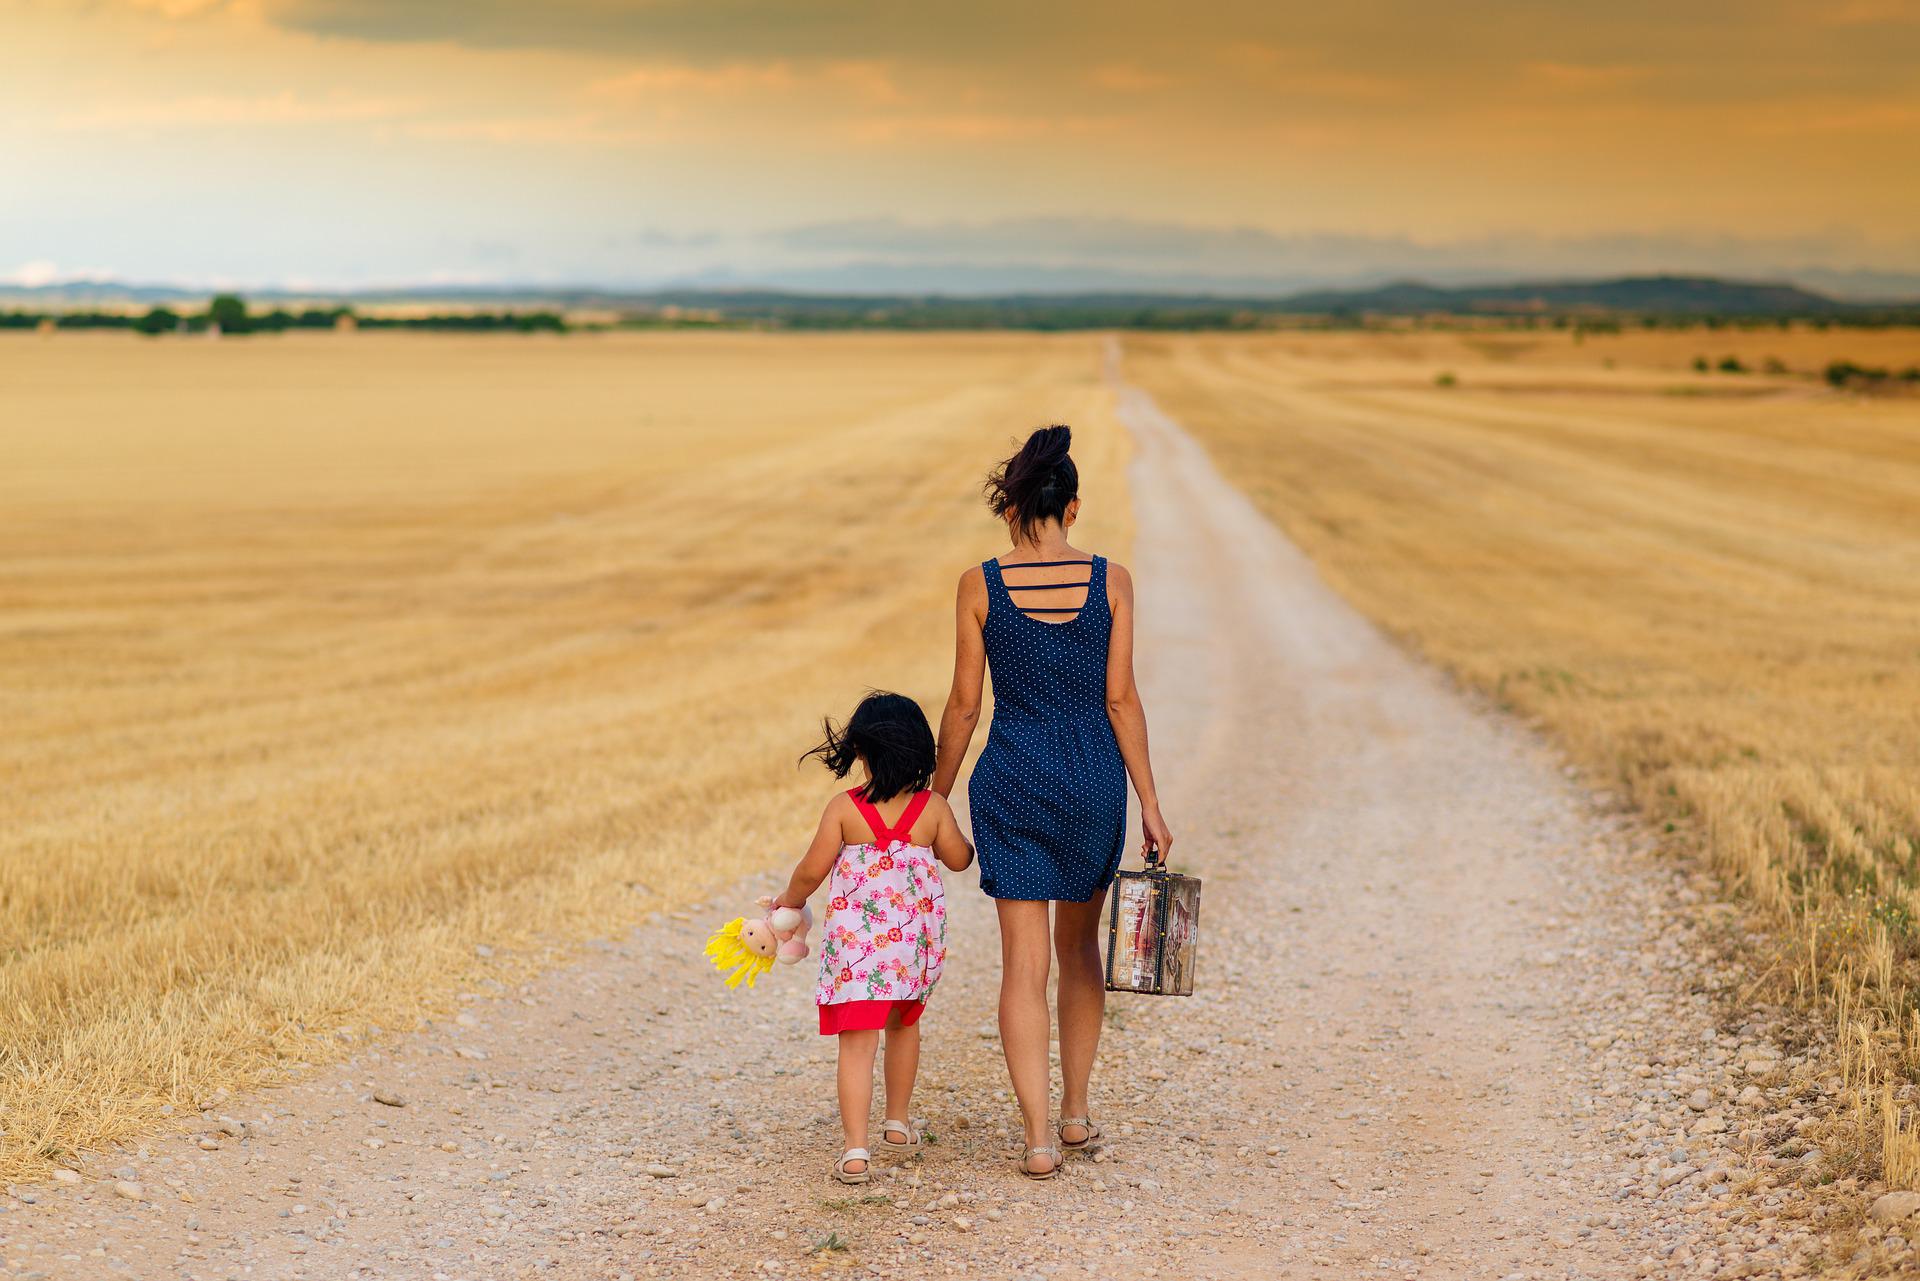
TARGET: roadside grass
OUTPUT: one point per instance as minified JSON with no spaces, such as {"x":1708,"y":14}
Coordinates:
{"x":1713,"y":603}
{"x":341,"y":672}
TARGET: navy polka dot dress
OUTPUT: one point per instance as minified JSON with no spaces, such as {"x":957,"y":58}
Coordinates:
{"x":1049,"y":795}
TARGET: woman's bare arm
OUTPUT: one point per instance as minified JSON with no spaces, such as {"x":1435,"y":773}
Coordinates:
{"x":1128,"y":716}
{"x":962,"y":712}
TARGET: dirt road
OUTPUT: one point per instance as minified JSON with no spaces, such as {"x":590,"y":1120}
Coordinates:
{"x":1444,"y":1029}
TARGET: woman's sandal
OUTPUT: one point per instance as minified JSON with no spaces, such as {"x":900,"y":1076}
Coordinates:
{"x":861,"y":1155}
{"x":1093,"y":1133}
{"x":1052,"y":1154}
{"x":890,"y":1128}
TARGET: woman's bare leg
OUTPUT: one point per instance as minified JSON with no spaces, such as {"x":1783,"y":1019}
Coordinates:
{"x":856,"y":1088}
{"x":1083,"y":1003}
{"x":1024,"y":949}
{"x":900,"y":1066}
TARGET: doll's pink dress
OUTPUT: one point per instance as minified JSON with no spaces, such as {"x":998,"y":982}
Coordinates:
{"x":885,"y":935}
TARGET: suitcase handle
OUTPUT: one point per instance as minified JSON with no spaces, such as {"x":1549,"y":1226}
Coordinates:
{"x":1151,"y":857}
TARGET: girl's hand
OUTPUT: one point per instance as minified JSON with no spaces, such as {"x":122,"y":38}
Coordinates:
{"x":1157,"y":836}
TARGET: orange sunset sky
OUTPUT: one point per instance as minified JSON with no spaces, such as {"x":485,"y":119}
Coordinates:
{"x":863,"y":144}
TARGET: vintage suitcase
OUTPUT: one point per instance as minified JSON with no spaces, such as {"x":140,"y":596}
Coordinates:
{"x":1153,"y":932}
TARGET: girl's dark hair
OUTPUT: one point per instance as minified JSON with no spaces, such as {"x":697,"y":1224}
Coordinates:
{"x":888,"y":731}
{"x":1037,"y":483}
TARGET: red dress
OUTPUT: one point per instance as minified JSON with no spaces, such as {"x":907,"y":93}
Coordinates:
{"x":885,"y":934}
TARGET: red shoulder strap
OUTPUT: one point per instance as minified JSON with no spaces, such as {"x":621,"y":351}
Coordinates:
{"x":872,"y":815}
{"x":901,"y":830}
{"x":904,"y":828}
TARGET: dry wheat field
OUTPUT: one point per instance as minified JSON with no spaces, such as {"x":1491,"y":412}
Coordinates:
{"x":327,"y":660}
{"x":1706,"y":586}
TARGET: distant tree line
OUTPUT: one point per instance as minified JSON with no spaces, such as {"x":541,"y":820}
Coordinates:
{"x":749,"y":309}
{"x":230,"y":314}
{"x":1847,"y":376}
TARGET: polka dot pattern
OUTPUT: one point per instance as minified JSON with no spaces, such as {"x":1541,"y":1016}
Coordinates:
{"x":1048,"y":797}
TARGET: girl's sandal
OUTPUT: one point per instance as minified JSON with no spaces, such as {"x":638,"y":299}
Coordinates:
{"x":841,"y":1172}
{"x":890,"y":1128}
{"x":1093,"y":1133}
{"x":1052,"y":1155}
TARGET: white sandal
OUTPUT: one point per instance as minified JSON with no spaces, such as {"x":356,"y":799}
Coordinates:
{"x":841,"y":1172}
{"x":1093,"y":1133}
{"x":890,"y":1128}
{"x":1053,"y":1156}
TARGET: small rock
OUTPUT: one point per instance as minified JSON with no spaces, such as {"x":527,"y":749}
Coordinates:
{"x":1699,"y":1100}
{"x":1895,"y":1206}
{"x":961,"y":1223}
{"x":64,"y":1175}
{"x":1673,"y":1174}
{"x":207,"y":1144}
{"x":659,"y":1171}
{"x":130,"y":1190}
{"x":389,"y":1098}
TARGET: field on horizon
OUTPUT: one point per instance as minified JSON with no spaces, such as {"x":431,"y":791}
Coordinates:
{"x":326,"y":660}
{"x":1707,"y":586}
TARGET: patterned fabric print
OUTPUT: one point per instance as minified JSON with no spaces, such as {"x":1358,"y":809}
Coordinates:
{"x":886,"y":927}
{"x":1049,"y":793}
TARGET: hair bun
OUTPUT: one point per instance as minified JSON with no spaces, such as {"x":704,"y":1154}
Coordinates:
{"x":1039,"y":482}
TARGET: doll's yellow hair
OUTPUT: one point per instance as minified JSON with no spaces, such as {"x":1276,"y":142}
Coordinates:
{"x":728,"y":952}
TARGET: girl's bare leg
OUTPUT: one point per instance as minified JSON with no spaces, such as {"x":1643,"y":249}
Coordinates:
{"x":1024,"y":950}
{"x":901,"y":1066}
{"x":1083,"y":1003}
{"x":856,"y":1089}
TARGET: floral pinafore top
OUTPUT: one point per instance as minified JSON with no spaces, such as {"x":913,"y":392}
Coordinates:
{"x":886,"y":926}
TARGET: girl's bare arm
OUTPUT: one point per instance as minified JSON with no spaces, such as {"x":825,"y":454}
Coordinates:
{"x":817,"y":863}
{"x":949,"y":846}
{"x":962,"y":712}
{"x":1128,"y":716}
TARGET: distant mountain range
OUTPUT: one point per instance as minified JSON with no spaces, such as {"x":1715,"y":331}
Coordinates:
{"x":1658,"y":295}
{"x":1655,"y":295}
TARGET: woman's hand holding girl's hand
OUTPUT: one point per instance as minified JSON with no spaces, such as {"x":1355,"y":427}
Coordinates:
{"x":1157,"y":835}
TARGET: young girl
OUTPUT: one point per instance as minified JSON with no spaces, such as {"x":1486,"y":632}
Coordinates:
{"x":885,"y":932}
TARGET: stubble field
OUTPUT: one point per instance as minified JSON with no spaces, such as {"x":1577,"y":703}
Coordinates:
{"x":327,"y":660}
{"x":1706,"y":586}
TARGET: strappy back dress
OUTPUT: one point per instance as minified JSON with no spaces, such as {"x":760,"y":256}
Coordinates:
{"x":1048,"y":798}
{"x":885,"y":935}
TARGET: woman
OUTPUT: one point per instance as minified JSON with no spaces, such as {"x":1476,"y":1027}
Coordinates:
{"x":1049,"y":794}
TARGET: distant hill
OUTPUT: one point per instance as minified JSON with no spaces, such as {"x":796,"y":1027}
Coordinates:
{"x":1643,"y":295}
{"x":1673,"y":297}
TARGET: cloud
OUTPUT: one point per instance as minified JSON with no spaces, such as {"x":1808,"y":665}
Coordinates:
{"x":1860,"y":13}
{"x":177,"y":8}
{"x":1216,"y":257}
{"x":284,"y":107}
{"x":1125,"y":77}
{"x":1579,"y":77}
{"x":870,"y":81}
{"x":32,"y":275}
{"x":41,"y":272}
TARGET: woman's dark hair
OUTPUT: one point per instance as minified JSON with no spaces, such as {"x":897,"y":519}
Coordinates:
{"x":1037,"y":483}
{"x":889,"y":732}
